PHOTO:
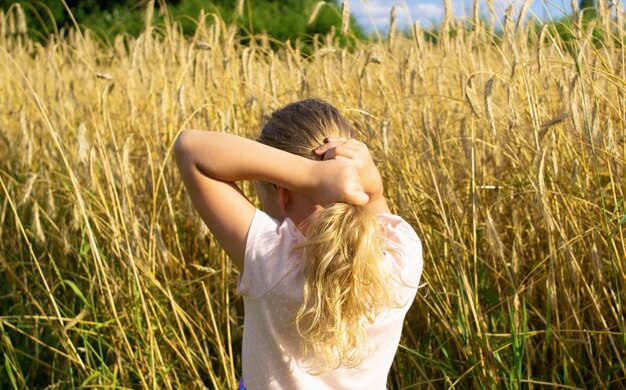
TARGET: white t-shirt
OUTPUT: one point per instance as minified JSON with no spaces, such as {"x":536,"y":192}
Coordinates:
{"x":272,"y":287}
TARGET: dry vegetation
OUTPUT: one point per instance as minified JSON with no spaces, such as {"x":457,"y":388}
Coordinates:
{"x":508,"y":156}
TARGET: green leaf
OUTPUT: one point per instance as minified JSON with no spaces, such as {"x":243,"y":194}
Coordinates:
{"x":7,"y":366}
{"x":77,"y":291}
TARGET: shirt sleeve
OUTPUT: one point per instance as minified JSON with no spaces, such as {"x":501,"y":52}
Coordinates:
{"x":260,"y":226}
{"x":267,"y":253}
{"x":404,"y":247}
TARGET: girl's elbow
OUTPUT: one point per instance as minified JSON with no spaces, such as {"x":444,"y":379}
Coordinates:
{"x":182,"y":145}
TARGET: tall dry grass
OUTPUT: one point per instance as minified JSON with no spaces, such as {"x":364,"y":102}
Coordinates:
{"x":507,"y":155}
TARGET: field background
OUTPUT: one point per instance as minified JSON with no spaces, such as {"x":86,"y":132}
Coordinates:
{"x":506,"y":152}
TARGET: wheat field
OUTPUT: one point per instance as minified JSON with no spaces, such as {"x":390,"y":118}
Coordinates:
{"x":506,"y":152}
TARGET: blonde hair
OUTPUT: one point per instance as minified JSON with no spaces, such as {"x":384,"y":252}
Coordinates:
{"x":346,"y":282}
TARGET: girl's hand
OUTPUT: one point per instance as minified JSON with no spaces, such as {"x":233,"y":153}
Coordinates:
{"x":338,"y":148}
{"x":338,"y":180}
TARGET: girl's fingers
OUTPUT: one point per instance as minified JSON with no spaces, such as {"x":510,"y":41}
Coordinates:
{"x":339,"y":152}
{"x":331,"y":142}
{"x":359,"y":198}
{"x":333,"y":155}
{"x":334,"y":139}
{"x":326,"y":147}
{"x":337,"y":147}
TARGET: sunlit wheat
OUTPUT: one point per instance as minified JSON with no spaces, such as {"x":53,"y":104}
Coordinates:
{"x":507,"y":153}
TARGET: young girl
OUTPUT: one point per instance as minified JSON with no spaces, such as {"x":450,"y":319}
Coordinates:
{"x":326,"y":272}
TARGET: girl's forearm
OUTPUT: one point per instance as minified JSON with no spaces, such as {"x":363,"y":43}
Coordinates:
{"x":231,"y":158}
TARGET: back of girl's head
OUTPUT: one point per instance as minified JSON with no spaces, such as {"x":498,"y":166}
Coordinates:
{"x":346,"y":282}
{"x":301,"y":126}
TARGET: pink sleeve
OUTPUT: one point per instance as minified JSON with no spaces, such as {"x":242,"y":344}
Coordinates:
{"x":267,"y":254}
{"x":260,"y":225}
{"x":405,"y":248}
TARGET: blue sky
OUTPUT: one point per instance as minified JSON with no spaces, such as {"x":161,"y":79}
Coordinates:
{"x":430,"y":12}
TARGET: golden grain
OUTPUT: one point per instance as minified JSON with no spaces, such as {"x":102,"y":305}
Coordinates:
{"x":521,"y":18}
{"x":392,"y":27}
{"x":240,"y":4}
{"x":21,"y":19}
{"x":316,"y":10}
{"x":28,"y":188}
{"x":345,"y":17}
{"x":508,"y":158}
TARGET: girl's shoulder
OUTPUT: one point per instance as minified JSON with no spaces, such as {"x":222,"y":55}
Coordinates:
{"x":268,"y":254}
{"x":397,"y":230}
{"x":403,"y":247}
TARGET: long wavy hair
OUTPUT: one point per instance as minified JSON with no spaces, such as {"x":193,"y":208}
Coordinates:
{"x":346,"y":281}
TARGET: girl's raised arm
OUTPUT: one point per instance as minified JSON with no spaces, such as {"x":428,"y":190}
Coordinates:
{"x":210,"y":163}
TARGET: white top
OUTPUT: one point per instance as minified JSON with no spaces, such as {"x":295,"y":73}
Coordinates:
{"x":272,"y":288}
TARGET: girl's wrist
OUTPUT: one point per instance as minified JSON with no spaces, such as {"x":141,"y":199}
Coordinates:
{"x":311,"y":175}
